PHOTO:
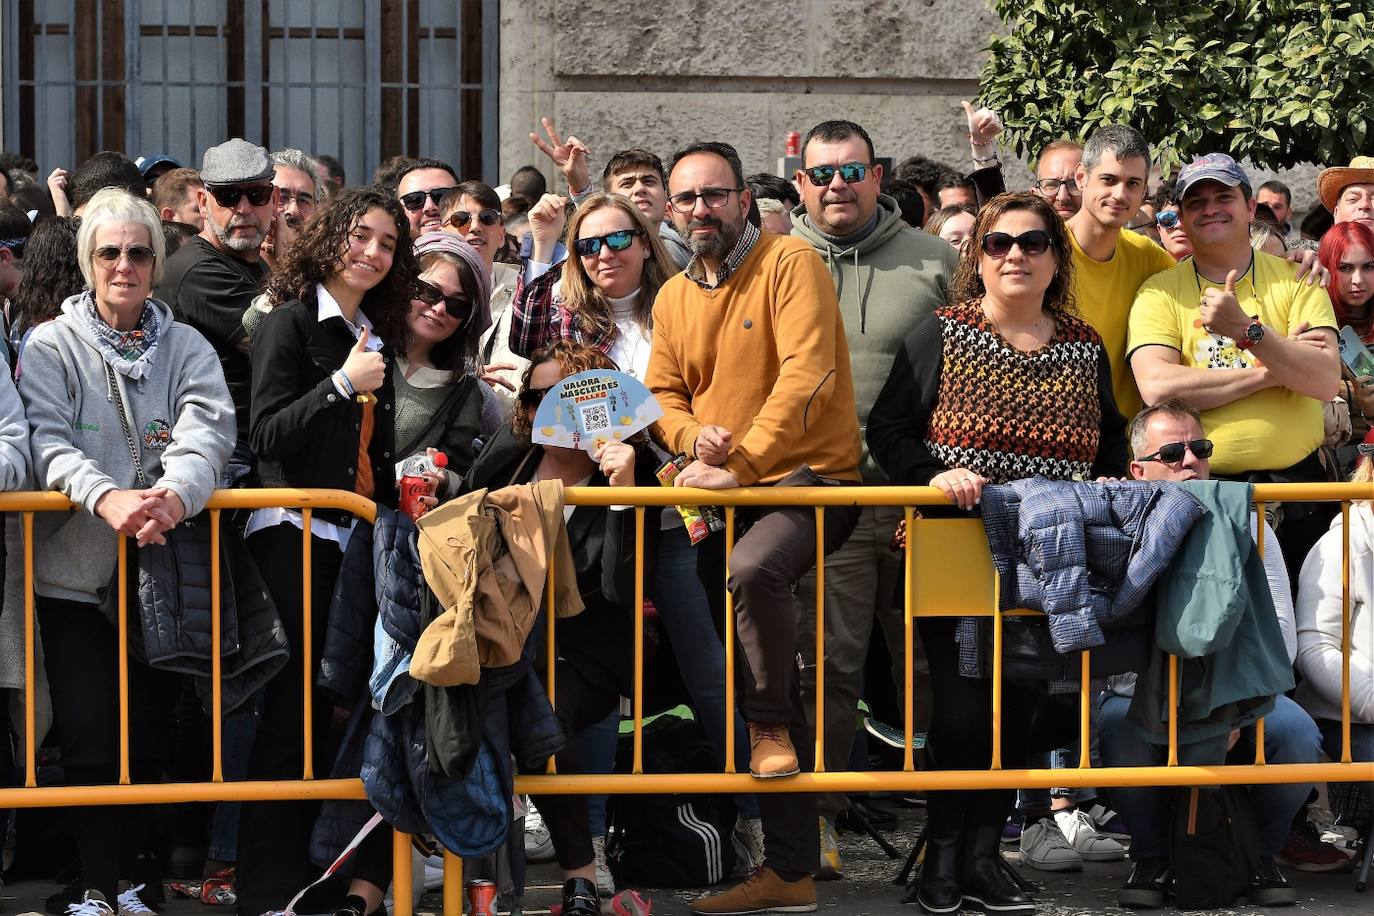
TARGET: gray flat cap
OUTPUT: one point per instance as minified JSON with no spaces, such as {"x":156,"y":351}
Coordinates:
{"x":236,"y":161}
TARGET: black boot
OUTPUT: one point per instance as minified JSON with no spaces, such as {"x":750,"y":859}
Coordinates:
{"x":988,"y":882}
{"x":938,"y":891}
{"x":580,"y":898}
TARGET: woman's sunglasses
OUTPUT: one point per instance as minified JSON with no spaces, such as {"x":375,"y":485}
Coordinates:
{"x":1034,"y":242}
{"x":1172,"y":453}
{"x":531,"y":398}
{"x":429,"y":294}
{"x":460,"y":218}
{"x":138,"y":255}
{"x":616,"y":241}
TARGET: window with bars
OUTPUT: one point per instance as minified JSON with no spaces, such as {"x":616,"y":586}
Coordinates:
{"x":362,"y":80}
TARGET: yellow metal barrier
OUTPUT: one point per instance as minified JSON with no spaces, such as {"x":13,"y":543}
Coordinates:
{"x":947,"y":572}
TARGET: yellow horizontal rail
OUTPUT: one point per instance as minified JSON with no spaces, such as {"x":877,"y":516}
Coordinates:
{"x":266,"y":498}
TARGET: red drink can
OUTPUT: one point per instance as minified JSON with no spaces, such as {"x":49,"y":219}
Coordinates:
{"x":481,"y":897}
{"x":412,"y":488}
{"x":793,"y":143}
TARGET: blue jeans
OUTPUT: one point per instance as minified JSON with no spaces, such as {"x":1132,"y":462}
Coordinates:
{"x":597,"y":748}
{"x":680,"y":597}
{"x":236,"y":741}
{"x":1290,"y":736}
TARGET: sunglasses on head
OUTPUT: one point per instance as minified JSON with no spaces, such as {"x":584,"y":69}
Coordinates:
{"x":415,"y":200}
{"x":1166,"y":219}
{"x":998,"y":244}
{"x":429,"y":294}
{"x":459,"y":219}
{"x":533,"y":397}
{"x":616,"y":241}
{"x":228,"y":197}
{"x":1172,"y":453}
{"x":850,"y":172}
{"x":138,"y":255}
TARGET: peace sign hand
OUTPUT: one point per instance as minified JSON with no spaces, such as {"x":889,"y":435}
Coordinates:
{"x":569,"y":156}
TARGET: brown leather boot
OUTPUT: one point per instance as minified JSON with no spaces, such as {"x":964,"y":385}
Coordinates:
{"x":771,"y":753}
{"x":761,"y":892}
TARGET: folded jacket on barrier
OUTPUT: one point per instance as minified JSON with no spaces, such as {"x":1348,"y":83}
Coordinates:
{"x":1215,"y":612}
{"x":1084,"y":554}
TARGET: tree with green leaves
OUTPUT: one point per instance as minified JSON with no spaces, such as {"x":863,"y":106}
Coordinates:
{"x":1279,"y":82}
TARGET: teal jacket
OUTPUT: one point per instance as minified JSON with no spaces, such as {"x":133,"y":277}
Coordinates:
{"x":1215,"y":612}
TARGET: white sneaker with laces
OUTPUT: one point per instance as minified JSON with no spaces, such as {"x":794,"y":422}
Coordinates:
{"x":538,"y":843}
{"x":130,"y":904}
{"x":1078,"y":828}
{"x":92,"y":903}
{"x":605,"y":884}
{"x":1043,"y":846}
{"x":748,"y":839}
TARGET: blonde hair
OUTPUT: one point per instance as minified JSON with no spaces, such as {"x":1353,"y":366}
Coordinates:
{"x":115,"y":205}
{"x":583,"y":298}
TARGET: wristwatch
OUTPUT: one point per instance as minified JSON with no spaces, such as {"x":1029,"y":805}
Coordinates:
{"x":1253,"y":334}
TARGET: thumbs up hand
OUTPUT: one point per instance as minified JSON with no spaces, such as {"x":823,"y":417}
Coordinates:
{"x":983,"y":124}
{"x":365,"y":369}
{"x":1220,"y":310}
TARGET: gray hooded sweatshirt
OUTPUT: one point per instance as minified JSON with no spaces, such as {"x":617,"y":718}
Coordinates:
{"x":182,"y":422}
{"x":887,"y":283}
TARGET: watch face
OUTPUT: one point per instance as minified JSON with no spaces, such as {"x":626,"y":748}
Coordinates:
{"x":1254,"y":332}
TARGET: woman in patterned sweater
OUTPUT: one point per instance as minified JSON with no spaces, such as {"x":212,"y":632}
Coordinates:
{"x":1005,"y":383}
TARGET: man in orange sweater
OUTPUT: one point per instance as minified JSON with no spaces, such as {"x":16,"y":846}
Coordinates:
{"x":751,"y":368}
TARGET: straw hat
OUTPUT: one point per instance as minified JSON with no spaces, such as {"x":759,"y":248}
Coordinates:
{"x":1334,"y":180}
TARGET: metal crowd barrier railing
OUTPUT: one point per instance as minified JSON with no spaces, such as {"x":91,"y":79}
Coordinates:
{"x":948,"y":573}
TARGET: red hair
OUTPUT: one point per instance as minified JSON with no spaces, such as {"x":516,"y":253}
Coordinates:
{"x":1335,"y":243}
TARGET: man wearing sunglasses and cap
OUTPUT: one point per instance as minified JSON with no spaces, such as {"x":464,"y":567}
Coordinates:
{"x":211,"y":281}
{"x":1235,"y":333}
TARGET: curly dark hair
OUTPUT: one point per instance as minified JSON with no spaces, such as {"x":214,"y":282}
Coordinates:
{"x":318,"y":252}
{"x":572,"y":357}
{"x":51,"y":273}
{"x":968,"y":282}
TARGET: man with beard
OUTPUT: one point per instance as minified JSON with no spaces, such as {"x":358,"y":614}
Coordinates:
{"x":751,"y":367}
{"x":212,"y":279}
{"x":299,"y":192}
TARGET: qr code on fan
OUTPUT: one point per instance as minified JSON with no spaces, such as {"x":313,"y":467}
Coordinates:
{"x":596,"y":418}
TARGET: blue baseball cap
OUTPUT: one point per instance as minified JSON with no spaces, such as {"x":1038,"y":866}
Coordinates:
{"x":1213,"y":166}
{"x":147,"y":163}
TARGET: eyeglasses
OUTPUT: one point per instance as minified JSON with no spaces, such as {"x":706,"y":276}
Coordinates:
{"x":1172,"y":453}
{"x":429,"y":294}
{"x":715,"y":198}
{"x":1166,"y":219}
{"x":616,"y":241}
{"x":850,"y":172}
{"x":1050,"y":186}
{"x":459,"y":219}
{"x":229,"y":196}
{"x":533,"y":397}
{"x":138,"y":255}
{"x":304,"y":200}
{"x":415,"y":200}
{"x":1032,"y":243}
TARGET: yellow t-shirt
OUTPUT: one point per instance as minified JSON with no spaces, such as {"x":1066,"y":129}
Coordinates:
{"x":1105,"y":291}
{"x":1270,"y":429}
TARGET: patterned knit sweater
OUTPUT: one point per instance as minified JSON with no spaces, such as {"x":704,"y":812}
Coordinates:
{"x":960,"y":396}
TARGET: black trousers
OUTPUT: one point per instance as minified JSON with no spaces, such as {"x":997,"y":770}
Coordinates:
{"x":81,"y":657}
{"x":274,"y":837}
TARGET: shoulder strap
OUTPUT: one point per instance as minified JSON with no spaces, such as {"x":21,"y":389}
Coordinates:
{"x":124,"y":422}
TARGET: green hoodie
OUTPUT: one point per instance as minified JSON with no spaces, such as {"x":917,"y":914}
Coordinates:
{"x":887,"y":284}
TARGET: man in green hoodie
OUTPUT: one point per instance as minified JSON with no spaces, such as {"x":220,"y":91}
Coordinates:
{"x":889,"y":278}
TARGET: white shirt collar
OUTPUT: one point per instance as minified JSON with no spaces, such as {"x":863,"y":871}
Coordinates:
{"x":329,"y":308}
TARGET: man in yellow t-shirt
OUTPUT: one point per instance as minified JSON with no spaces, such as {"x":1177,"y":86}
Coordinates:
{"x":1235,"y":334}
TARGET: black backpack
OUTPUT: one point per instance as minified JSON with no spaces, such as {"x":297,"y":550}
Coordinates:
{"x":1214,"y":846}
{"x":675,"y":840}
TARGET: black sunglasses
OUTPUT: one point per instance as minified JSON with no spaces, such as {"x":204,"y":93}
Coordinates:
{"x":138,"y":255}
{"x":429,"y":294}
{"x":533,"y":397}
{"x":1172,"y":453}
{"x":460,"y":218}
{"x":1034,"y":242}
{"x":850,"y":172}
{"x":415,"y":200}
{"x":619,"y":240}
{"x":1166,"y":219}
{"x":258,"y":195}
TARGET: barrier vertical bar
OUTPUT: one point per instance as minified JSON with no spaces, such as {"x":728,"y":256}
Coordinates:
{"x":729,"y":645}
{"x":1259,"y":545}
{"x":1345,"y":632}
{"x":1085,"y":714}
{"x":308,"y":699}
{"x":453,"y":884}
{"x":30,"y":715}
{"x":550,"y":651}
{"x":216,"y":662}
{"x":638,"y":761}
{"x":909,"y":647}
{"x":402,"y":890}
{"x":996,"y":671}
{"x":1173,"y":711}
{"x":123,"y":661}
{"x":820,"y":639}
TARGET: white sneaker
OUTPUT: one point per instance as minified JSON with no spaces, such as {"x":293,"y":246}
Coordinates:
{"x":1078,"y":828}
{"x":605,"y":884}
{"x":538,"y":843}
{"x":1043,"y":846}
{"x":434,"y":873}
{"x":92,"y":903}
{"x":748,"y":839}
{"x":130,"y":904}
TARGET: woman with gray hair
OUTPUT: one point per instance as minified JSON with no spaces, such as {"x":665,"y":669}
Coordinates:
{"x":130,"y":418}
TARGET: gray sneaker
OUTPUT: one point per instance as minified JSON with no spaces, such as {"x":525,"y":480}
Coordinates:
{"x":1043,"y":846}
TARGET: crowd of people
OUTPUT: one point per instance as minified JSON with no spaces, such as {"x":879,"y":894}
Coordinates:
{"x":1107,"y":337}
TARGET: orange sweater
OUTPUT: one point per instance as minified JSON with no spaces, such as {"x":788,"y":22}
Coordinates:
{"x":764,"y":355}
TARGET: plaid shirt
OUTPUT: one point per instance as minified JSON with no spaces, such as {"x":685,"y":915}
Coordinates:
{"x":696,"y":271}
{"x":538,"y":317}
